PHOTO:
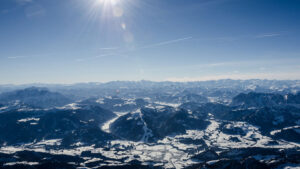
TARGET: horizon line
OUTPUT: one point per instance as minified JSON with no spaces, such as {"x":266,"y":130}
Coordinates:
{"x":155,"y":81}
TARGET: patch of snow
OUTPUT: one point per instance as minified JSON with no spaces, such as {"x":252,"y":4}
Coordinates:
{"x":286,"y":128}
{"x":100,"y":101}
{"x":50,"y":142}
{"x":289,"y":166}
{"x":213,"y":99}
{"x":26,"y":109}
{"x":72,"y":106}
{"x":92,"y":160}
{"x":251,"y":87}
{"x":28,"y":119}
{"x":147,"y":131}
{"x":212,"y":162}
{"x":78,"y":144}
{"x":175,"y":105}
{"x":3,"y":108}
{"x":20,"y":162}
{"x":105,"y":127}
{"x":253,"y":137}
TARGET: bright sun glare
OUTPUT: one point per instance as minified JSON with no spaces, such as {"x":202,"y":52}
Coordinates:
{"x":111,"y":2}
{"x":113,"y":14}
{"x":113,"y":6}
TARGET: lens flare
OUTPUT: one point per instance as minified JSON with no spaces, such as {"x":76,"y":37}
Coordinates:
{"x":116,"y":17}
{"x":118,"y":11}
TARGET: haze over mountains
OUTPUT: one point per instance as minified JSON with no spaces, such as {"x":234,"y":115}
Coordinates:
{"x":144,"y":124}
{"x":60,"y":107}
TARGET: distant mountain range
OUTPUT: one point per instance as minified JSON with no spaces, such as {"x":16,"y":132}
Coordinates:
{"x":34,"y":96}
{"x":216,"y":124}
{"x":265,"y":99}
{"x":214,"y":88}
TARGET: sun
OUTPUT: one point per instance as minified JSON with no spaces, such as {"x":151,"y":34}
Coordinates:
{"x":113,"y":15}
{"x":110,"y":6}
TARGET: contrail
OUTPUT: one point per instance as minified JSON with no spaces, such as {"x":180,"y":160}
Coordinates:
{"x":167,"y":42}
{"x":149,"y":46}
{"x":268,"y":35}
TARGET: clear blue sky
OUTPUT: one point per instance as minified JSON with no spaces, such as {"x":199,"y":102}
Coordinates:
{"x":69,"y":41}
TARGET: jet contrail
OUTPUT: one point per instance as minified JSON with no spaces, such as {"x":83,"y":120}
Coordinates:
{"x":167,"y":42}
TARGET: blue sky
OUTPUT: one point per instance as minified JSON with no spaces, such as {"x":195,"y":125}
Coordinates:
{"x":69,"y":41}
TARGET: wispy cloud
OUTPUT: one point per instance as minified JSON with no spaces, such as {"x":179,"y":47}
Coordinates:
{"x":126,"y":51}
{"x":19,"y":3}
{"x":23,"y":2}
{"x":94,"y":57}
{"x":243,"y":37}
{"x":168,"y":42}
{"x":118,"y":50}
{"x":109,"y":48}
{"x":104,"y":55}
{"x":268,"y":35}
{"x":16,"y":57}
{"x":35,"y":11}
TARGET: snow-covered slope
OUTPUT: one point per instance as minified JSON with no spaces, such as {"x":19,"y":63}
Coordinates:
{"x":153,"y":125}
